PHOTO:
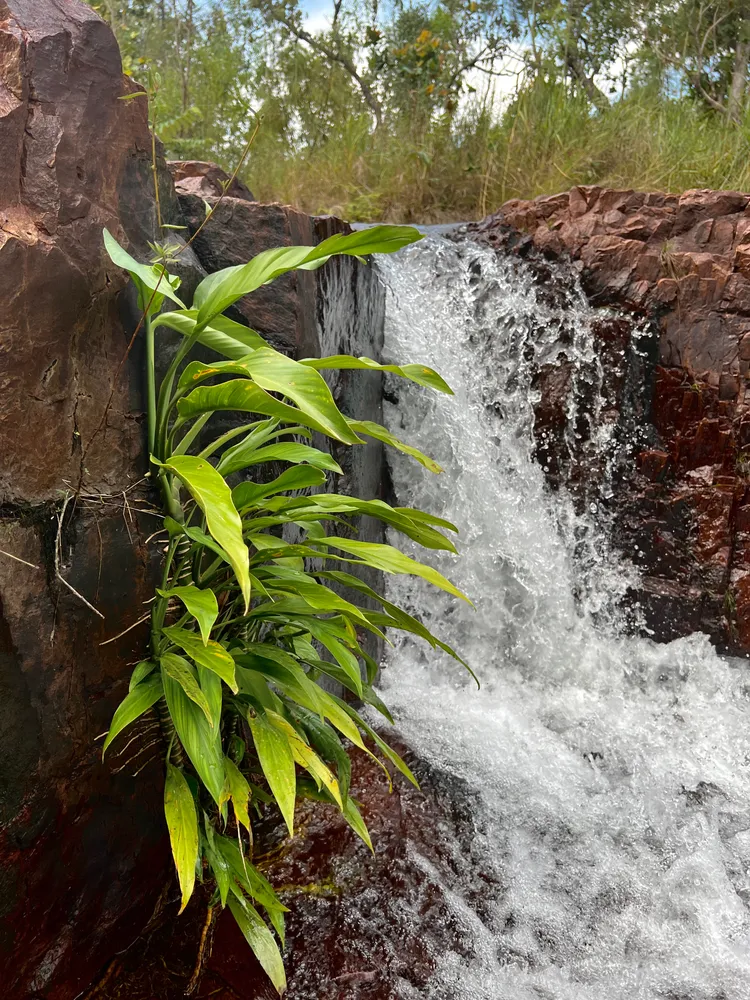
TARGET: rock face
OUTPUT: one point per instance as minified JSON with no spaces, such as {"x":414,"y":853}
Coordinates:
{"x":361,"y":926}
{"x":82,"y":848}
{"x":679,"y":265}
{"x":77,"y":842}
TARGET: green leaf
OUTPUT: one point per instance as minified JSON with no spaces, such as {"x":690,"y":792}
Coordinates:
{"x":214,"y":497}
{"x":178,"y":668}
{"x":277,"y":762}
{"x":391,"y":754}
{"x":201,"y":604}
{"x":182,"y":822}
{"x":248,"y":876}
{"x":245,"y":397}
{"x":239,"y":792}
{"x":305,"y":586}
{"x":401,"y":519}
{"x":353,"y":817}
{"x":201,"y":741}
{"x":416,"y":373}
{"x":306,"y":757}
{"x":370,"y":429}
{"x":325,"y":740}
{"x":284,"y":670}
{"x":240,"y":457}
{"x":211,"y":655}
{"x":391,"y":560}
{"x":401,"y":619}
{"x":222,"y":288}
{"x":220,"y":870}
{"x":141,"y":672}
{"x":275,"y":372}
{"x":145,"y":276}
{"x":300,"y":477}
{"x":211,"y":687}
{"x":260,"y":939}
{"x":223,"y":335}
{"x":138,"y":701}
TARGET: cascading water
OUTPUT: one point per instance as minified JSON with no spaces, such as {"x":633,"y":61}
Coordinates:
{"x":609,"y":776}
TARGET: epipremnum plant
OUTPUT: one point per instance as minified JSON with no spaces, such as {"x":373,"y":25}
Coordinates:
{"x":242,"y":628}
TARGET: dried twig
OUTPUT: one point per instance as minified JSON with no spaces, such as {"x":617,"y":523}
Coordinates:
{"x":18,"y":559}
{"x":141,"y":620}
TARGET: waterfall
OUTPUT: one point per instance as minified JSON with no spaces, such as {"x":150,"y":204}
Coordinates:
{"x":609,"y":776}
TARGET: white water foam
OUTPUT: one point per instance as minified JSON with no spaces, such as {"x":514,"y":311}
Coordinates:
{"x":611,"y":775}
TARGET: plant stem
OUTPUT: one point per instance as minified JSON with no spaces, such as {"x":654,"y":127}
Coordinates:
{"x":150,"y":385}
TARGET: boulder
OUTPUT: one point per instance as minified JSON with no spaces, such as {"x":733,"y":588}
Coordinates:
{"x":206,"y":180}
{"x":79,"y":842}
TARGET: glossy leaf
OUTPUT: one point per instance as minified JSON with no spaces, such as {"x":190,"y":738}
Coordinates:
{"x":260,"y":939}
{"x":275,"y":372}
{"x":153,"y":277}
{"x":248,"y":876}
{"x":306,"y":756}
{"x":141,"y":672}
{"x":238,"y":791}
{"x":182,"y":823}
{"x":220,"y":870}
{"x":353,"y":817}
{"x":401,"y":619}
{"x":219,"y":290}
{"x":201,"y":604}
{"x":400,"y":518}
{"x":211,"y":655}
{"x":133,"y":706}
{"x":391,"y":754}
{"x":214,"y":497}
{"x":298,"y":478}
{"x":391,"y":560}
{"x":277,"y":761}
{"x":415,"y":373}
{"x":223,"y":335}
{"x":240,"y":457}
{"x":369,"y":428}
{"x":202,"y":742}
{"x":210,"y":683}
{"x":178,"y":668}
{"x":243,"y":396}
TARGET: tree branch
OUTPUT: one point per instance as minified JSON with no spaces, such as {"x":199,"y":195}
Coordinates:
{"x":335,"y":55}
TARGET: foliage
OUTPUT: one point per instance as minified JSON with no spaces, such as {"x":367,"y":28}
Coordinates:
{"x":435,"y":110}
{"x":243,"y":630}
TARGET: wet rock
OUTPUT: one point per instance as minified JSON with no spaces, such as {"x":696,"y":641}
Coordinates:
{"x":679,"y":266}
{"x":361,"y":926}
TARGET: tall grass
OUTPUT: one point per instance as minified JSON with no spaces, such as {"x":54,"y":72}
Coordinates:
{"x":546,"y":140}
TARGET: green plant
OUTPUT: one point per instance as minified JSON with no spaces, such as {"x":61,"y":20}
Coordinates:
{"x":242,"y":629}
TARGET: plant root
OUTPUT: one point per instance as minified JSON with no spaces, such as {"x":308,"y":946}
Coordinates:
{"x":204,"y":951}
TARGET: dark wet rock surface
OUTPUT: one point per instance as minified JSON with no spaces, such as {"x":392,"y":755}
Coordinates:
{"x":361,"y":926}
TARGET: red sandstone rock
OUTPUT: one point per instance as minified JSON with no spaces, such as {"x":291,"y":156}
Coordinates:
{"x":78,"y":845}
